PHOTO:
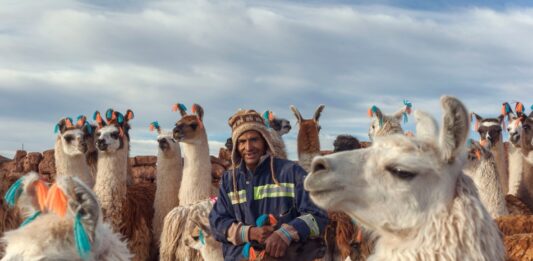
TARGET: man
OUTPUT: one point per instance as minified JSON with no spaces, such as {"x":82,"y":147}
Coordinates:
{"x":260,"y":183}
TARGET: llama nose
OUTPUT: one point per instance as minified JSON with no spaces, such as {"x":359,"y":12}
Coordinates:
{"x":320,"y":164}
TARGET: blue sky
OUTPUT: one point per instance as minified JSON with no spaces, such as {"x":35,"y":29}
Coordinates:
{"x":65,"y":58}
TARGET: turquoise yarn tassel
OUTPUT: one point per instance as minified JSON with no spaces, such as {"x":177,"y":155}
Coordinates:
{"x":83,"y":244}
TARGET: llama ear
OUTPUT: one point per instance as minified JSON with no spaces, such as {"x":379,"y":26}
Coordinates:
{"x":478,"y":120}
{"x":455,"y":124}
{"x":297,"y":114}
{"x":97,"y":117}
{"x":398,"y":115}
{"x":426,"y":126}
{"x":507,"y":111}
{"x":318,"y":111}
{"x":129,"y":115}
{"x":60,"y":126}
{"x":501,"y":119}
{"x":199,"y":111}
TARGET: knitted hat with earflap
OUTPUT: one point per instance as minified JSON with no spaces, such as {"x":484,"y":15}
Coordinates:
{"x":241,"y":122}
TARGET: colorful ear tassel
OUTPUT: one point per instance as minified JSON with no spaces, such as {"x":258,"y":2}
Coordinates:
{"x":83,"y":243}
{"x":155,"y":126}
{"x":519,"y":108}
{"x":98,"y":118}
{"x":179,"y":106}
{"x":56,"y":201}
{"x":41,"y":192}
{"x":56,"y":128}
{"x":201,"y":236}
{"x":30,"y":218}
{"x":373,"y":110}
{"x":109,"y":115}
{"x":13,"y":193}
{"x":266,"y":117}
{"x":408,"y":108}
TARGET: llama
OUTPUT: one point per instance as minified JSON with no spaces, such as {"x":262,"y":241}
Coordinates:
{"x":481,"y":167}
{"x":412,"y":192}
{"x":92,"y":153}
{"x":514,"y":128}
{"x":383,"y":125}
{"x":128,"y":208}
{"x":277,"y":127}
{"x":168,"y":180}
{"x":196,"y":182}
{"x":71,"y":147}
{"x":70,"y":230}
{"x":308,"y":142}
{"x":525,"y":192}
{"x":490,"y":132}
{"x":189,"y":226}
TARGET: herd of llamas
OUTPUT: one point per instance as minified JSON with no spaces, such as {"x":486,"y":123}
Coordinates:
{"x":429,"y":195}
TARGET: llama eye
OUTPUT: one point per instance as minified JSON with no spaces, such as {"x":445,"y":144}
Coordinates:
{"x":69,"y":138}
{"x":400,"y":173}
{"x":194,"y":126}
{"x":114,"y":135}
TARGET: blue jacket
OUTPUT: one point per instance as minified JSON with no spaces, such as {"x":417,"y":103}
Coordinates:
{"x":259,"y":195}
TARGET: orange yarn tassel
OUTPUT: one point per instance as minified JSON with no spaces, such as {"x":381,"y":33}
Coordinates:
{"x":56,"y":201}
{"x":152,"y":127}
{"x":519,"y":107}
{"x":41,"y":191}
{"x":370,"y":112}
{"x":504,"y":112}
{"x":175,"y":107}
{"x":359,"y":237}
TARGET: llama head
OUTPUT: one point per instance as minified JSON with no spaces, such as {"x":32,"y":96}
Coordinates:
{"x":514,"y":127}
{"x":526,"y":141}
{"x":397,"y":183}
{"x":190,"y":128}
{"x":112,"y":134}
{"x":280,"y":125}
{"x":66,"y":227}
{"x":167,"y":145}
{"x":198,"y":234}
{"x":308,"y":139}
{"x":74,"y":137}
{"x":489,"y":129}
{"x":382,"y":124}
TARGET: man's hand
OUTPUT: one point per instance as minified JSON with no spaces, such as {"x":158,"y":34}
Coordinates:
{"x":260,"y":234}
{"x":275,"y":246}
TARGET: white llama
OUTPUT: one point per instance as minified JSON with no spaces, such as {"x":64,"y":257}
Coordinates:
{"x":168,"y":178}
{"x":71,"y":230}
{"x":490,"y":132}
{"x":413,"y":193}
{"x":71,"y":147}
{"x":383,"y":125}
{"x":128,"y":208}
{"x":514,"y":128}
{"x":481,"y":167}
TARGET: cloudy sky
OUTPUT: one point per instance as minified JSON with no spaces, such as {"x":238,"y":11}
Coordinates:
{"x":64,"y":58}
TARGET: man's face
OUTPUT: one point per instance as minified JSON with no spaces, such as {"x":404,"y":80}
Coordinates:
{"x":251,"y":146}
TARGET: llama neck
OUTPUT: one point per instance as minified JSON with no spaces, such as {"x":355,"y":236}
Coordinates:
{"x":485,"y":176}
{"x":168,"y":181}
{"x":75,"y":166}
{"x":196,"y":181}
{"x":212,"y":251}
{"x":459,"y":230}
{"x":525,"y":191}
{"x":498,"y":152}
{"x":278,"y":144}
{"x":515,"y":169}
{"x":110,"y":186}
{"x":308,"y":148}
